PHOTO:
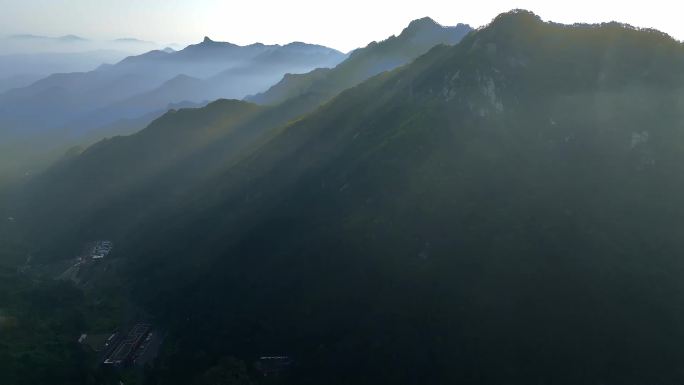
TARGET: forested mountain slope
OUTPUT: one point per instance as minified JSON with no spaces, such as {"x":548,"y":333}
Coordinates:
{"x":506,"y":210}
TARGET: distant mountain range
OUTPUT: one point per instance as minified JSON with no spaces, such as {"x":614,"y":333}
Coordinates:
{"x":26,"y":43}
{"x":415,"y":40}
{"x":508,"y":209}
{"x":65,"y":38}
{"x":262,"y":67}
{"x":133,"y":40}
{"x":21,"y":70}
{"x":67,"y":98}
{"x":25,"y":58}
{"x":74,"y":105}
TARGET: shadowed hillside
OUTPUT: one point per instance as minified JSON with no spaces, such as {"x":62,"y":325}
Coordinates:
{"x":509,"y":209}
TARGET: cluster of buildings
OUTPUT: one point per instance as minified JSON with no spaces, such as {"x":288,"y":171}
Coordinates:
{"x":272,"y":365}
{"x":92,"y":253}
{"x":123,"y":352}
{"x":101,"y":249}
{"x":138,"y":347}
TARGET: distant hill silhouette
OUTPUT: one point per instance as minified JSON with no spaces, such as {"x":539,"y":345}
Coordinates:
{"x":75,"y":105}
{"x":415,"y":40}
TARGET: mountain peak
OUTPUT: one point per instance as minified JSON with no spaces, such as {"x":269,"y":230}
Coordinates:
{"x":427,"y":30}
{"x":516,"y":18}
{"x":207,"y":44}
{"x":423,"y":27}
{"x":421,"y":24}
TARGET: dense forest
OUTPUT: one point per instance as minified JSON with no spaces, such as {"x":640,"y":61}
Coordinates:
{"x":504,"y":209}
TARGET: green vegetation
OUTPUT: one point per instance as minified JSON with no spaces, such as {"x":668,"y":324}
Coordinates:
{"x":506,"y":210}
{"x":40,"y":323}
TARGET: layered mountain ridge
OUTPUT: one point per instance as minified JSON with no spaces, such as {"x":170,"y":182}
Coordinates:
{"x":76,"y":107}
{"x":416,"y":39}
{"x":507,"y":209}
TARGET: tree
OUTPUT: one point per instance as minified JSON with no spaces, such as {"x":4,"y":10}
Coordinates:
{"x":228,"y":371}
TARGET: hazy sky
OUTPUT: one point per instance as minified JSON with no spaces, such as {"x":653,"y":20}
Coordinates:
{"x":341,"y":24}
